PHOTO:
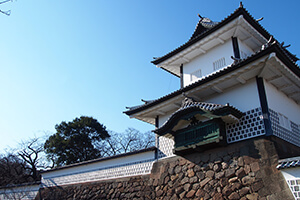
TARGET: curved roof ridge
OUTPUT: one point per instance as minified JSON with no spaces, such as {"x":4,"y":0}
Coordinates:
{"x":190,"y":106}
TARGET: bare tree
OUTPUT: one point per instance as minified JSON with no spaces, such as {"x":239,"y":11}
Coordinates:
{"x":5,"y":12}
{"x":32,"y":153}
{"x":130,"y":140}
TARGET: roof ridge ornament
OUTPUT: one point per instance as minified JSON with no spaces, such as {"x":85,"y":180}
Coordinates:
{"x":258,"y":20}
{"x":241,"y":4}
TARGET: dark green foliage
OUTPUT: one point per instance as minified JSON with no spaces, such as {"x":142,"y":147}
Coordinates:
{"x":74,"y":141}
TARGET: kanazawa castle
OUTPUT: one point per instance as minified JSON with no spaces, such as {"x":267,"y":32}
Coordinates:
{"x":237,"y":82}
{"x":231,"y":131}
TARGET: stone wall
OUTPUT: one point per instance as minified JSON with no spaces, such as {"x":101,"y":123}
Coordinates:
{"x":245,"y":170}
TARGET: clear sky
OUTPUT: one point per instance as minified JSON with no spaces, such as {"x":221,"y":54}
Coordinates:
{"x":64,"y":59}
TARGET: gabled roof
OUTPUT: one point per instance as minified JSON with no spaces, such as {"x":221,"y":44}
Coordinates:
{"x":203,"y":25}
{"x":211,"y":110}
{"x":201,"y":32}
{"x":275,"y":47}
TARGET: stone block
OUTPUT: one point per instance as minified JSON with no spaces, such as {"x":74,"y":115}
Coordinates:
{"x":240,"y":172}
{"x":248,"y":160}
{"x":254,"y":166}
{"x":181,"y":195}
{"x":253,"y":196}
{"x":184,"y":180}
{"x":257,"y":186}
{"x":190,"y":173}
{"x":179,"y":190}
{"x":171,"y":171}
{"x":177,"y":169}
{"x":210,"y":174}
{"x":200,"y":175}
{"x":247,"y":180}
{"x":159,"y":193}
{"x":227,"y":190}
{"x":173,"y":177}
{"x":205,"y":181}
{"x":224,"y":165}
{"x":217,"y":167}
{"x":232,"y":180}
{"x":229,"y":173}
{"x":218,"y":196}
{"x":182,"y":161}
{"x":190,"y":194}
{"x":219,"y":175}
{"x":240,"y":161}
{"x":234,"y":196}
{"x":196,"y":186}
{"x":197,"y":168}
{"x":187,"y":187}
{"x":200,"y":193}
{"x":243,"y":191}
{"x":191,"y":165}
{"x":194,"y":179}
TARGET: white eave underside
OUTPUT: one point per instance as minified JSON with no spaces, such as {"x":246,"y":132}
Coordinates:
{"x":237,"y":28}
{"x":269,"y":67}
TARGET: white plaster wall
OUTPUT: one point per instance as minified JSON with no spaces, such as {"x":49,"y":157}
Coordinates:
{"x":163,"y":118}
{"x":243,"y":97}
{"x":279,"y":102}
{"x":98,"y":175}
{"x":291,"y":173}
{"x":205,"y":61}
{"x":115,"y":162}
{"x":243,"y":47}
{"x":22,"y":192}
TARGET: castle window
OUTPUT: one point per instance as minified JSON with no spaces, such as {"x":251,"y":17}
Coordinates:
{"x":218,"y":64}
{"x":195,"y":75}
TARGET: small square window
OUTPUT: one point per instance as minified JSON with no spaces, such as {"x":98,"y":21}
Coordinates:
{"x":284,"y":121}
{"x":195,"y":75}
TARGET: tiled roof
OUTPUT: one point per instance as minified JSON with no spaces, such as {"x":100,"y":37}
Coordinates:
{"x":203,"y":25}
{"x":102,"y":159}
{"x":200,"y":33}
{"x":188,"y":106}
{"x":206,"y":32}
{"x":270,"y":48}
{"x":289,"y":163}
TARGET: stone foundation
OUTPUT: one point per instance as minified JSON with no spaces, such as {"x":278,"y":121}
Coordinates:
{"x":244,"y":170}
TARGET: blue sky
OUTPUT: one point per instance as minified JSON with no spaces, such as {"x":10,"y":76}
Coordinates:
{"x":64,"y":59}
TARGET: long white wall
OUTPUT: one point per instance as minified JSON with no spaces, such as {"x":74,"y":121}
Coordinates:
{"x":205,"y":61}
{"x":28,"y":192}
{"x":279,"y":102}
{"x":130,"y":165}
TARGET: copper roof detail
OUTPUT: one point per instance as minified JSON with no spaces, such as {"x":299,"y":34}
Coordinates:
{"x":190,"y":106}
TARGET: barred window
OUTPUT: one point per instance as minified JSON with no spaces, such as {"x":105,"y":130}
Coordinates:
{"x":218,"y":64}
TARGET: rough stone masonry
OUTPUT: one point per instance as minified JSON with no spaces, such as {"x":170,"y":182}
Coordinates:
{"x":245,"y":170}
